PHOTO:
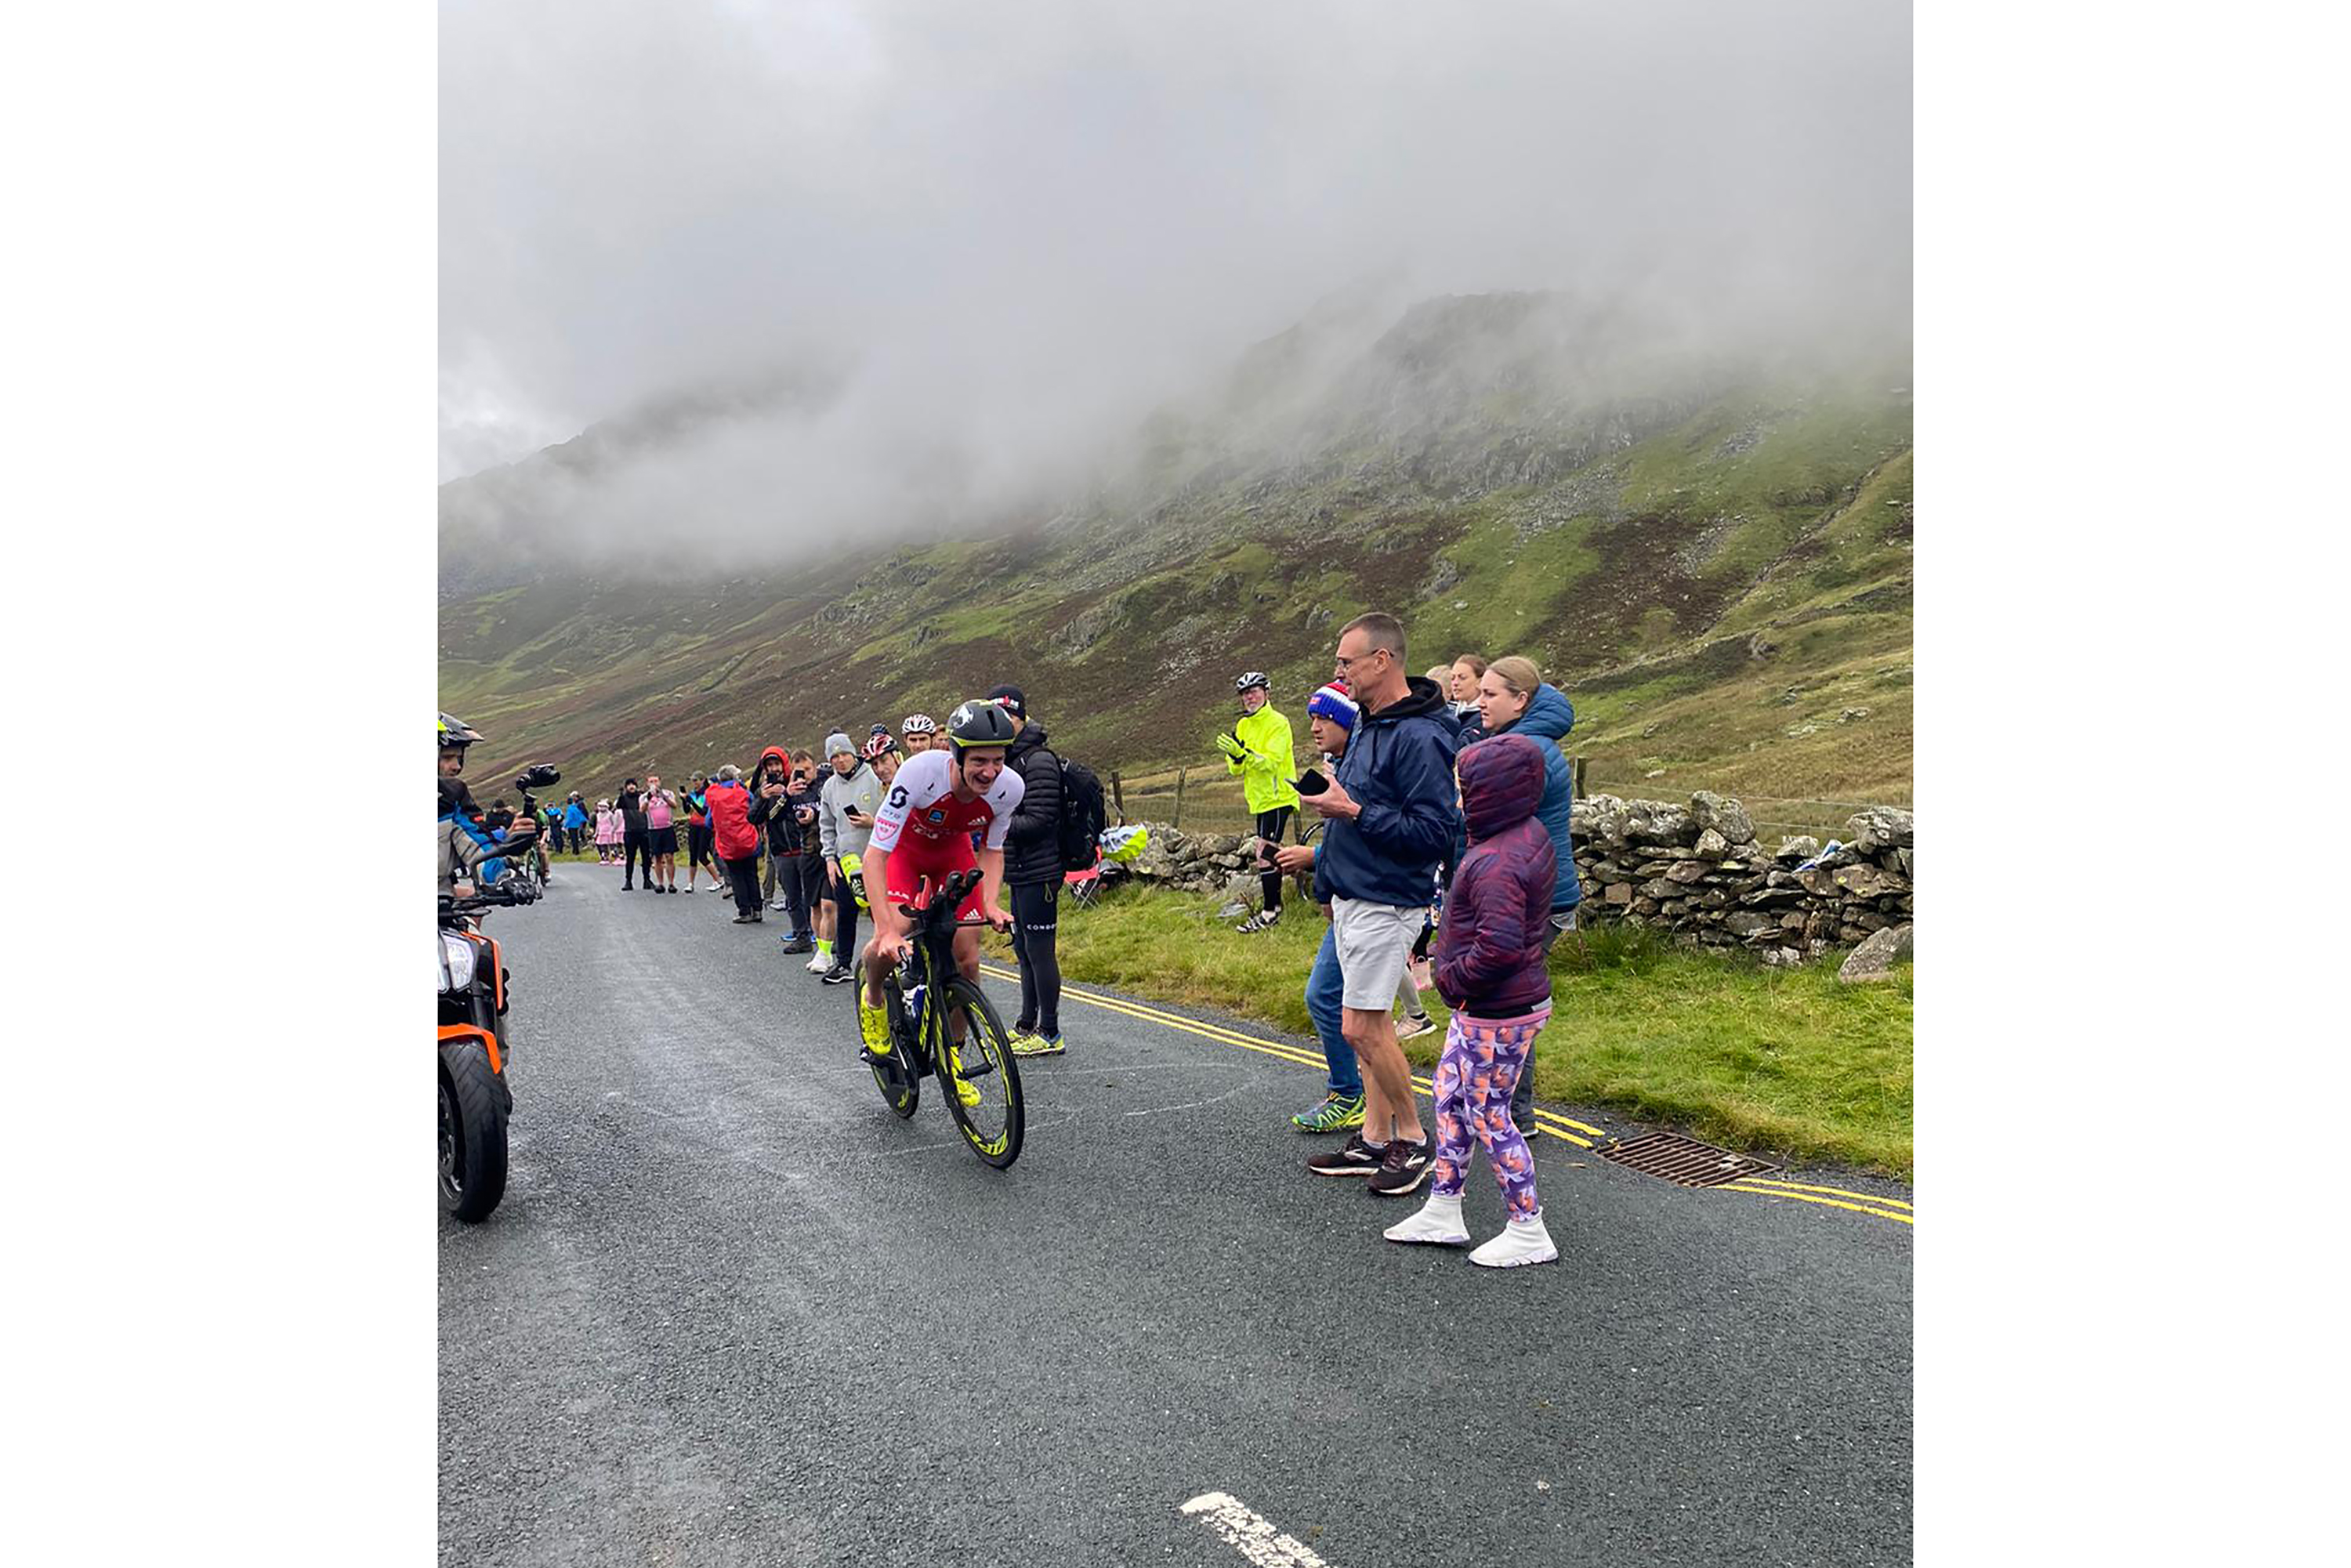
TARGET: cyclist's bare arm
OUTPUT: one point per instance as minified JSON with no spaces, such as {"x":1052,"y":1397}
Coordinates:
{"x":890,"y":932}
{"x":991,"y":888}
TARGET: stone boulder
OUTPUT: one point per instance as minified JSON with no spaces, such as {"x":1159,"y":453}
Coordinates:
{"x":1875,"y":957}
{"x":1711,"y":845}
{"x":1655,"y":823}
{"x":1800,"y":848}
{"x":1600,"y":819}
{"x":1724,"y":815}
{"x":1878,"y":828}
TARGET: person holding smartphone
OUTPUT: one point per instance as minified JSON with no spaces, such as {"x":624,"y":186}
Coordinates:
{"x":845,"y":822}
{"x":803,"y":797}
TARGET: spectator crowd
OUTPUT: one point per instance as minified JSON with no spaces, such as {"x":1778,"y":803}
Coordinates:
{"x":788,"y":836}
{"x":1431,"y":824}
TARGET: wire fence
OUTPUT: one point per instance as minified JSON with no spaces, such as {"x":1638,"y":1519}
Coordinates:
{"x":1209,"y":800}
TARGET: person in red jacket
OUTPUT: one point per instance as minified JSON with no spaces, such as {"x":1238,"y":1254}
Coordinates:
{"x":736,"y":840}
{"x":1491,"y":971}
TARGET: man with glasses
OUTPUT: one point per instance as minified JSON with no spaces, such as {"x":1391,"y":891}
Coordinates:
{"x":1391,"y":814}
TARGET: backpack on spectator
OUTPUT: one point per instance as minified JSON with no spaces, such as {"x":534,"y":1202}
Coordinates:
{"x":1082,"y":816}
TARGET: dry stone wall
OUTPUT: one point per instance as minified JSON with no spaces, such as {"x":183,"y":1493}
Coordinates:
{"x":1695,"y":869}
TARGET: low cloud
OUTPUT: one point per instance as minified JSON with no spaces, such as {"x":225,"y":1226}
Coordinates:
{"x":976,"y":245}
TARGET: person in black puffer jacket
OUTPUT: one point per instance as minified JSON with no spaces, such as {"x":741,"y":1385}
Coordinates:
{"x":1032,"y":871}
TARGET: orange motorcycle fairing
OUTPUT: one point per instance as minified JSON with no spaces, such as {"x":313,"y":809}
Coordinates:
{"x":450,"y":1031}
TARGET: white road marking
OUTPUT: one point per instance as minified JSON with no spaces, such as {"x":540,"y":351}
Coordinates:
{"x":1241,"y":1528}
{"x":1196,"y":1104}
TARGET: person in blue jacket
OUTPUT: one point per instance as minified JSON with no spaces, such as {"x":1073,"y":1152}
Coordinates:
{"x":1514,"y":699}
{"x":1393,"y":814}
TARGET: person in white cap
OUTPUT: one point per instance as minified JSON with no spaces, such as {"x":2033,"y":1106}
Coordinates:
{"x":845,"y":818}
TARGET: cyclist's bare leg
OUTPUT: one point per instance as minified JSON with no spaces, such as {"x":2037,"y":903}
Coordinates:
{"x":877,"y":969}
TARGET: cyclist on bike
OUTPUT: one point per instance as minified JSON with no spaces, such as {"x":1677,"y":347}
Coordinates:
{"x":923,"y":833}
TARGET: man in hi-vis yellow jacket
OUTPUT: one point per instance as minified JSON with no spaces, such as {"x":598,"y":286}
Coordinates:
{"x":1259,"y":749}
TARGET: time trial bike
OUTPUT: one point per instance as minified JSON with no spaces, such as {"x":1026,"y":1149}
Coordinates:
{"x":943,"y":1027}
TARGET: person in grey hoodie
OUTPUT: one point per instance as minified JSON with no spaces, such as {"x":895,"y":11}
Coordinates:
{"x":845,"y":823}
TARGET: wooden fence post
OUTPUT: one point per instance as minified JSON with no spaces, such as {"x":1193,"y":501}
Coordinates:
{"x":1117,"y":798}
{"x":1575,"y":791}
{"x":1179,"y":799}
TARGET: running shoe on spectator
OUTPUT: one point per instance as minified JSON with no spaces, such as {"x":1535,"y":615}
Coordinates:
{"x":1403,"y":1166}
{"x":1337,"y":1113}
{"x":1352,"y":1158}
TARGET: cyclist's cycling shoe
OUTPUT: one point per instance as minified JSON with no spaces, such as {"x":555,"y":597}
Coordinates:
{"x":874,"y":1023}
{"x":964,"y":1092}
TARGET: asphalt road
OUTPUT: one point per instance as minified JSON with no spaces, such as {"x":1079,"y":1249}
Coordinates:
{"x":733,"y":1311}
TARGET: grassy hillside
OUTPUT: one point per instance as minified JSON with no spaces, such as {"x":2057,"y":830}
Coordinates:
{"x":1715,"y":563}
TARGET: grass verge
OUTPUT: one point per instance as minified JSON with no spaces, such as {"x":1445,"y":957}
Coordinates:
{"x":1780,"y":1060}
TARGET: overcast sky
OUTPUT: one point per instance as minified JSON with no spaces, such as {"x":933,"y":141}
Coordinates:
{"x":1014,"y":225}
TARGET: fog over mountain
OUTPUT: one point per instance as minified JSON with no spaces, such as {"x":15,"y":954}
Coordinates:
{"x":858,"y":270}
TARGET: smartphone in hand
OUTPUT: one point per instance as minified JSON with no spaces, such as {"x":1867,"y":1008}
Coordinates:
{"x":1312,"y":782}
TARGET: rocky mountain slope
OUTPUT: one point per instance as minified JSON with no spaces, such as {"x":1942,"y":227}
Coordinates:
{"x":1712,"y":555}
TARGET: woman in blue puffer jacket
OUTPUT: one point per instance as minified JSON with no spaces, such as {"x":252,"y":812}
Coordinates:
{"x":1514,"y":699}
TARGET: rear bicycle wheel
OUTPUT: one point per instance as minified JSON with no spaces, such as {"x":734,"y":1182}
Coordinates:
{"x":893,"y":1074}
{"x":980,"y":1075}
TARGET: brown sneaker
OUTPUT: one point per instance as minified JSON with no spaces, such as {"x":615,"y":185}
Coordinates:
{"x":1352,"y":1158}
{"x":1403,"y":1166}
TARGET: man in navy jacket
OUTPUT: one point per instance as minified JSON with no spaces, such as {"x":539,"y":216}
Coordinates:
{"x":1393,"y":814}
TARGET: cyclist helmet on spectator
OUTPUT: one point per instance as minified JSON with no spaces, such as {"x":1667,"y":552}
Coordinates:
{"x":1252,"y":678}
{"x":455,"y":731}
{"x":981,"y":722}
{"x":879,"y":745}
{"x":919,"y":723}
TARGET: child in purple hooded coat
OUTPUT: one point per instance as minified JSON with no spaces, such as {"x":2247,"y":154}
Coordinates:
{"x":1489,"y":971}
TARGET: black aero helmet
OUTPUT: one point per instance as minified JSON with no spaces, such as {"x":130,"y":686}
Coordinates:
{"x":981,"y":722}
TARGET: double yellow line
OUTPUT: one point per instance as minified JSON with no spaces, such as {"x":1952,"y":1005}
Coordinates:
{"x":1581,"y":1135}
{"x":1557,"y":1125}
{"x":1864,"y":1202}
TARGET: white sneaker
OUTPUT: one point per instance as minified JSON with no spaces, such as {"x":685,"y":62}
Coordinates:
{"x":1437,"y":1223}
{"x":819,"y":963}
{"x":1521,"y":1242}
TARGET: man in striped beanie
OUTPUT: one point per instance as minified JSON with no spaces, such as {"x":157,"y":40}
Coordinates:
{"x":1333,"y":706}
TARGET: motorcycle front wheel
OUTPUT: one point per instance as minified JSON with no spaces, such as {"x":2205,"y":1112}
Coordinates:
{"x":473,"y":1133}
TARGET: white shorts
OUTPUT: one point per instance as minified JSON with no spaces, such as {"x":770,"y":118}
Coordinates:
{"x":1374,"y":941}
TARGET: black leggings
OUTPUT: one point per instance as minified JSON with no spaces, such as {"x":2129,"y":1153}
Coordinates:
{"x":697,"y":846}
{"x":1271,"y":826}
{"x":845,"y":922}
{"x":634,"y":849}
{"x":743,"y":878}
{"x":1035,"y":917}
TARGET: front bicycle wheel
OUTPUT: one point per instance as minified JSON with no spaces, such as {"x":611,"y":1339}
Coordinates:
{"x":893,"y":1074}
{"x":980,"y":1075}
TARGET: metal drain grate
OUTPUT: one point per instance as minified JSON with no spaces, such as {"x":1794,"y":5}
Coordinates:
{"x":1685,"y":1162}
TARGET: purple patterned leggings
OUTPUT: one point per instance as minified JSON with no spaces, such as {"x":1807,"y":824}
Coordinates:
{"x":1474,"y":1080}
